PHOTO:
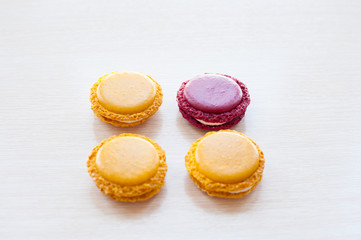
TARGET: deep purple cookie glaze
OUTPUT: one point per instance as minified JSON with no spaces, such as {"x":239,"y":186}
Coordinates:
{"x":213,"y":93}
{"x":230,"y":118}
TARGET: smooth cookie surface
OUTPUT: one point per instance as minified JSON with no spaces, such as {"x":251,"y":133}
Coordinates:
{"x":226,"y":157}
{"x":213,"y":93}
{"x":127,"y":160}
{"x":126,"y":92}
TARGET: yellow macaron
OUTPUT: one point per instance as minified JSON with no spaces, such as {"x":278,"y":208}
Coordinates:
{"x":125,"y":98}
{"x":225,"y":164}
{"x":128,"y":167}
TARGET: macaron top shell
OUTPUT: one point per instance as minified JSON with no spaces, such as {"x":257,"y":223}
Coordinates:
{"x":126,"y":92}
{"x":227,"y":157}
{"x":127,"y":160}
{"x":213,"y":93}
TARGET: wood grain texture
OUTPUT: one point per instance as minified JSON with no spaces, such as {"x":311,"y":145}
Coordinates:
{"x":300,"y":60}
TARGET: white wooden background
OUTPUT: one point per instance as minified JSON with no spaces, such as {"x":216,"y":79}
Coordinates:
{"x":300,"y":59}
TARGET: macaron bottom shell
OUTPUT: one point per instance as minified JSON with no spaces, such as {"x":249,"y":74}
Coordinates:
{"x":200,"y":125}
{"x":225,"y":194}
{"x":119,"y":123}
{"x":141,"y":197}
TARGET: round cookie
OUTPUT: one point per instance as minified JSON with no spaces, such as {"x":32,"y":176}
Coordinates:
{"x":125,"y":99}
{"x":213,"y":101}
{"x":225,"y":164}
{"x":128,"y":167}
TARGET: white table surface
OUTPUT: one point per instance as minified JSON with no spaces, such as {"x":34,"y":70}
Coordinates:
{"x":300,"y":60}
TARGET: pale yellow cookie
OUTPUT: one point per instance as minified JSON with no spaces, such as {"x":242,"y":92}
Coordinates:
{"x":225,"y":164}
{"x":128,"y":167}
{"x":125,"y":99}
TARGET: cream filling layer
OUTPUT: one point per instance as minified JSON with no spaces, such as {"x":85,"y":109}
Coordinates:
{"x":243,"y":190}
{"x":130,"y":121}
{"x":210,"y":124}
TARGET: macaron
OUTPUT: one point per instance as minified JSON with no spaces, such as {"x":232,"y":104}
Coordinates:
{"x":128,"y":167}
{"x":125,"y":98}
{"x":225,"y":164}
{"x":213,"y":101}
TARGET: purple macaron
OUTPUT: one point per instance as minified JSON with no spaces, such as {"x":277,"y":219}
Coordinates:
{"x":213,"y":101}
